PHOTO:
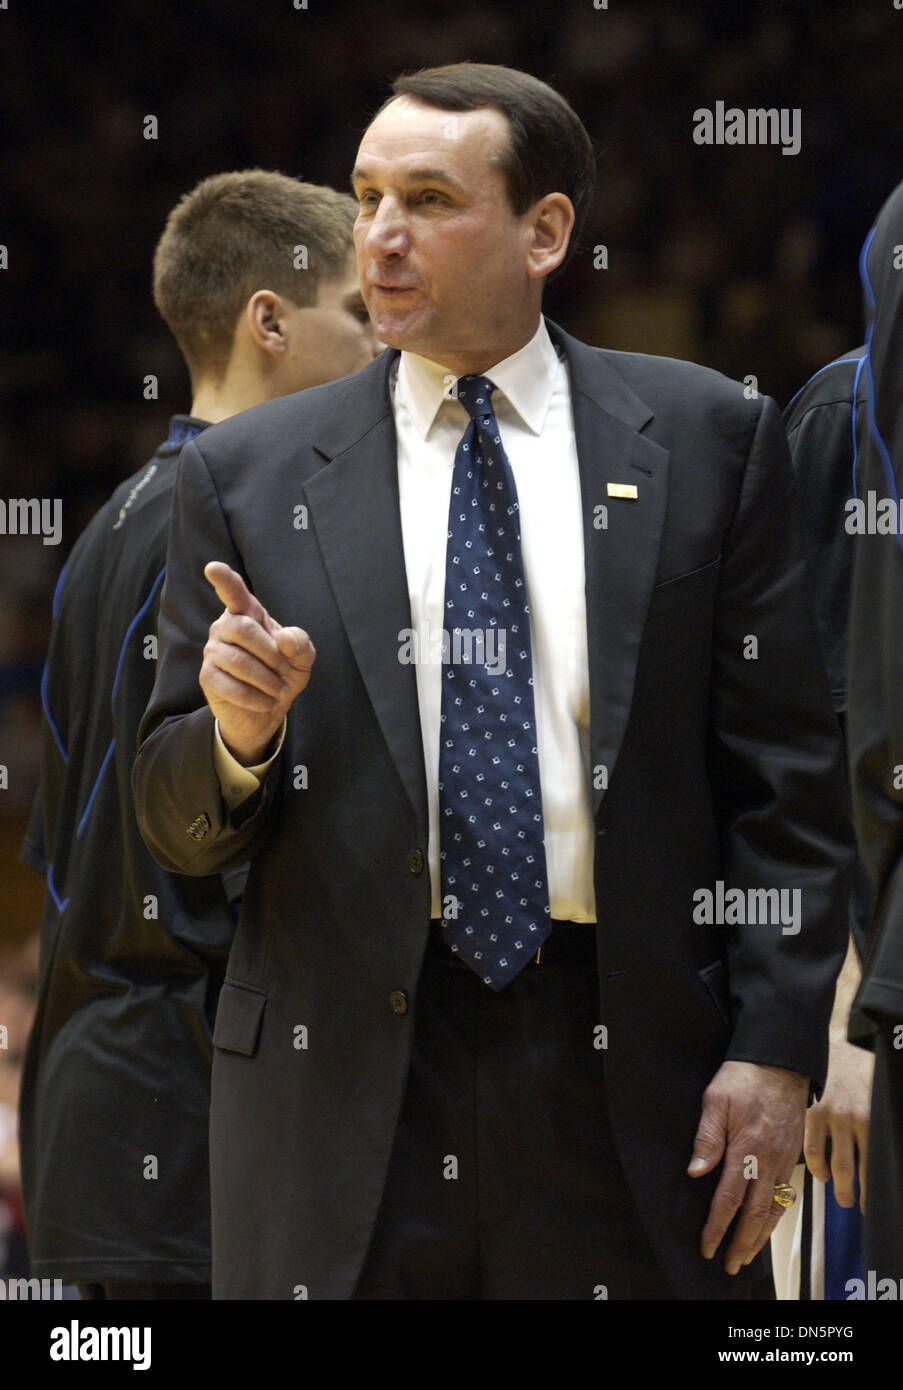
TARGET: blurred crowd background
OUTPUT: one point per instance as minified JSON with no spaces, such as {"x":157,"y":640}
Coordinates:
{"x":738,"y":257}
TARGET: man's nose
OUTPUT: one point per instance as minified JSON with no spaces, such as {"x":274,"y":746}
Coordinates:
{"x":387,"y":232}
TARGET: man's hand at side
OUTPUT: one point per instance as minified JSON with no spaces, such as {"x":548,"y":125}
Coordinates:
{"x":748,"y":1112}
{"x":253,"y":667}
{"x":842,"y":1115}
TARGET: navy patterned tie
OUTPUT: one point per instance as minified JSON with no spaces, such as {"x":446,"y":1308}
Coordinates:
{"x":492,"y":855}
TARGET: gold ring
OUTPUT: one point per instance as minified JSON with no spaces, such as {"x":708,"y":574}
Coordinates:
{"x":784,"y":1194}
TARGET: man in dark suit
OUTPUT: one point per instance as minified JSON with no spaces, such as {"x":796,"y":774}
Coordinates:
{"x":512,"y":1010}
{"x":115,"y":1094}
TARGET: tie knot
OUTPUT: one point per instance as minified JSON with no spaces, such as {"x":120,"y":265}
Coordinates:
{"x":475,"y":394}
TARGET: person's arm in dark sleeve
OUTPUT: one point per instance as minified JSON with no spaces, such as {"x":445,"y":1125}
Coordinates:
{"x":778,"y":772}
{"x":179,"y":800}
{"x":875,"y":746}
{"x":821,"y":448}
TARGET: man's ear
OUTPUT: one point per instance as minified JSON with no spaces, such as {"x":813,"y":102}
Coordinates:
{"x":264,"y":319}
{"x":551,"y":222}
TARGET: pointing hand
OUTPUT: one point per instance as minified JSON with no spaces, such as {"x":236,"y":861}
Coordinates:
{"x":253,"y":667}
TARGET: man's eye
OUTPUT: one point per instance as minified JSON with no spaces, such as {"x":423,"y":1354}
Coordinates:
{"x":431,"y":195}
{"x":366,"y":198}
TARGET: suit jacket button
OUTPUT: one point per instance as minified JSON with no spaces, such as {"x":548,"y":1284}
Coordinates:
{"x":415,"y":861}
{"x":399,"y":1001}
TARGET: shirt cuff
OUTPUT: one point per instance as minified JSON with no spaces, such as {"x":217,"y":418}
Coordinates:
{"x":237,"y":782}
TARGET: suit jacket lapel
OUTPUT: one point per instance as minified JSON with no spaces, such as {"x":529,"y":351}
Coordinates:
{"x":621,"y":541}
{"x":355,"y":512}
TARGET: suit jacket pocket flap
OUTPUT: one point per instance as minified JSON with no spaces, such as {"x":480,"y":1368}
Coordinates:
{"x":683,"y":588}
{"x":238,"y":1018}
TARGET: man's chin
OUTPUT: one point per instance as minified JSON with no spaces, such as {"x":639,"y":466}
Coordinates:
{"x":395,"y":334}
{"x":399,"y":329}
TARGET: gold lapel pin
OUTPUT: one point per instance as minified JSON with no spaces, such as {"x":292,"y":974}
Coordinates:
{"x":621,"y":490}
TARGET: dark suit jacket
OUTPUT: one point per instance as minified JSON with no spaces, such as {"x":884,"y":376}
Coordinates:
{"x":719,"y":767}
{"x":117,"y":1067}
{"x":825,"y":424}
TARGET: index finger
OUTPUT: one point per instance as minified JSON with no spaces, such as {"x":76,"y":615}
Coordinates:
{"x":726,"y":1201}
{"x":233,"y":593}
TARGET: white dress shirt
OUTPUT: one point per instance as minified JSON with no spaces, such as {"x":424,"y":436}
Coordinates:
{"x":532,"y":405}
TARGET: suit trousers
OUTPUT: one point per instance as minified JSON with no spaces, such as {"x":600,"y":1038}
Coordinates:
{"x":504,"y":1180}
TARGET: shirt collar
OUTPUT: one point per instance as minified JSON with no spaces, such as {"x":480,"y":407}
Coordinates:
{"x":182,"y":428}
{"x":526,"y":379}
